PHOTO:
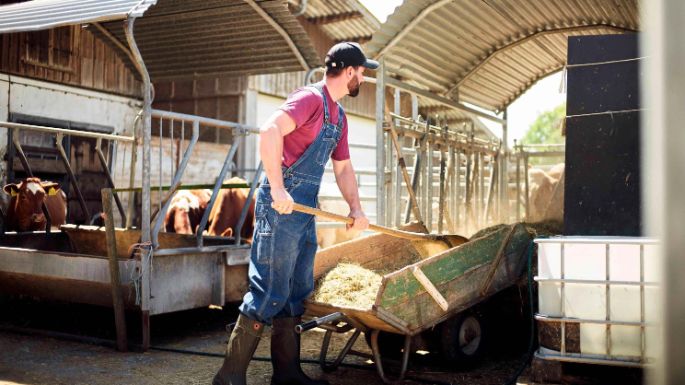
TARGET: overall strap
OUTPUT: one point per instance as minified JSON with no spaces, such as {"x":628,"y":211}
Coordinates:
{"x":341,"y":117}
{"x":319,"y":87}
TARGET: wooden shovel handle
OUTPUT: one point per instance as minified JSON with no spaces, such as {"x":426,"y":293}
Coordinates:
{"x":380,"y":229}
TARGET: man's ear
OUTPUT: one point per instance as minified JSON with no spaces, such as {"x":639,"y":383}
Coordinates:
{"x":11,"y":189}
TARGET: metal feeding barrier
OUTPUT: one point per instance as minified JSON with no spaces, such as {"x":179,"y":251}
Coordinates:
{"x":522,"y":156}
{"x":59,"y":135}
{"x":462,"y":167}
{"x":157,"y":275}
{"x":171,"y":118}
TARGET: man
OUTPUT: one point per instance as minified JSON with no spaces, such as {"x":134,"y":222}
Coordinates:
{"x":295,"y":145}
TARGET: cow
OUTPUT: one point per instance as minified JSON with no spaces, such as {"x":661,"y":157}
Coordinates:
{"x":186,"y":210}
{"x":227,"y":209}
{"x":546,"y":195}
{"x":25,"y":210}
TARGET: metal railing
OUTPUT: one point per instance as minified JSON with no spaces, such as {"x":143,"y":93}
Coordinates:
{"x":195,"y":122}
{"x":59,"y":134}
{"x":521,"y":156}
{"x":609,"y":357}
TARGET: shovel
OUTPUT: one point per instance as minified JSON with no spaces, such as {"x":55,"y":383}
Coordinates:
{"x":449,"y":240}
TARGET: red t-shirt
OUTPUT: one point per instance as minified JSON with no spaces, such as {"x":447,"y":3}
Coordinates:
{"x":305,"y":107}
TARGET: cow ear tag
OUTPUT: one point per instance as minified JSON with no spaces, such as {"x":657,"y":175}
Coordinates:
{"x":13,"y":192}
{"x":52,"y":191}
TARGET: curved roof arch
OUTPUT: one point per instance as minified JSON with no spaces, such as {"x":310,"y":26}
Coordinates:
{"x":488,"y":52}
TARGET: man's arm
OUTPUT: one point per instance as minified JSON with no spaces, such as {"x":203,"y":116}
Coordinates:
{"x":347,"y":182}
{"x":271,"y":136}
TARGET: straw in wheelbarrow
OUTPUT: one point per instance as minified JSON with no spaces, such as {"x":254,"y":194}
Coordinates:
{"x":349,"y":285}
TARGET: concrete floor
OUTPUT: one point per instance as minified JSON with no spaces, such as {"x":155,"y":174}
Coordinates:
{"x":32,"y":359}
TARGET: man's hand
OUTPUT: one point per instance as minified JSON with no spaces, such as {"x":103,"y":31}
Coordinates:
{"x":282,"y":201}
{"x":361,"y":222}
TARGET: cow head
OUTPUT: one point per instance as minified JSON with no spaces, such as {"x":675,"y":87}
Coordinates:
{"x":27,"y":201}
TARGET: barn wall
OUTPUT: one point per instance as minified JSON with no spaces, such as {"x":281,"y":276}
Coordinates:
{"x":67,"y":55}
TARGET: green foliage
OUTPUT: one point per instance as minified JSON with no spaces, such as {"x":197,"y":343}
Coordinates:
{"x":546,"y":129}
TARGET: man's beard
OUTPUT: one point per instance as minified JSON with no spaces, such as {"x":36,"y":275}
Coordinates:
{"x":353,"y":87}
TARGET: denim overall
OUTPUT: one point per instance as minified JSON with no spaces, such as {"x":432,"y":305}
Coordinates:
{"x":281,"y":270}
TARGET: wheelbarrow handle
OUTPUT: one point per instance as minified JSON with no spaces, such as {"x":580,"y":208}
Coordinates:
{"x":309,"y":325}
{"x":381,"y":229}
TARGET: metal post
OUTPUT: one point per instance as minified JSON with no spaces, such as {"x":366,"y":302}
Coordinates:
{"x":72,"y":177}
{"x":397,"y":181}
{"x":414,"y":180}
{"x":145,"y":221}
{"x":467,"y":192}
{"x":110,"y":181}
{"x":518,"y":182}
{"x":161,"y":170}
{"x":481,"y":190}
{"x":132,"y":172}
{"x":504,"y":172}
{"x":454,"y":191}
{"x":390,"y":181}
{"x":442,"y":192}
{"x":428,"y":198}
{"x":491,"y":189}
{"x":526,"y":184}
{"x":380,"y":141}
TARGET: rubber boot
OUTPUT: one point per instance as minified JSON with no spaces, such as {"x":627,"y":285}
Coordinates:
{"x":285,"y":354}
{"x":241,"y":346}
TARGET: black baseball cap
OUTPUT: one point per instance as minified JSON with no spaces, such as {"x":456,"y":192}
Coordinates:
{"x":348,"y":54}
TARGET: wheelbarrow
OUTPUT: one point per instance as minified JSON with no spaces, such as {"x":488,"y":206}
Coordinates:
{"x":438,"y":290}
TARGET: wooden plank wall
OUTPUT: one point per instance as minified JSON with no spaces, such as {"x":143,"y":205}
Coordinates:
{"x":217,"y":98}
{"x":67,"y":55}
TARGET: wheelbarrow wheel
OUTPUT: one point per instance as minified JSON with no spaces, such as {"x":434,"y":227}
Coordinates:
{"x":463,"y":339}
{"x":390,"y":345}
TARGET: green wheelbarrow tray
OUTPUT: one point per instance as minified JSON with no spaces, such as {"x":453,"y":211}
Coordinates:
{"x":414,"y":297}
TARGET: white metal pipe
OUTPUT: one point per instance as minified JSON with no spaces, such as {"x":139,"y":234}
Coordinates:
{"x":380,"y":141}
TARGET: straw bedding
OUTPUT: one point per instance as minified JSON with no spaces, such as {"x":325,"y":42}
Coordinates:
{"x":349,"y":285}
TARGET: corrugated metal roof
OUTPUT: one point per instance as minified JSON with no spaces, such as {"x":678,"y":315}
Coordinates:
{"x":184,"y":39}
{"x":343,"y":20}
{"x":45,"y":14}
{"x":488,"y":52}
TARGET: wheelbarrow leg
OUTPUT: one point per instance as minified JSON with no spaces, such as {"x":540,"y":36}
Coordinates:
{"x":325,"y":366}
{"x":379,"y":363}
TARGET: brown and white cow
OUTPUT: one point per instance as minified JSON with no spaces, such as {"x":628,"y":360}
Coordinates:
{"x":226,"y":212}
{"x":188,"y":206}
{"x":186,"y":210}
{"x":25,"y":210}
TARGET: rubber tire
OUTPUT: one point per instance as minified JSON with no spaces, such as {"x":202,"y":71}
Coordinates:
{"x":452,"y":353}
{"x":389,"y":344}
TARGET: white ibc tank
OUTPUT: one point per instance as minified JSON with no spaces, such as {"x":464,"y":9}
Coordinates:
{"x":606,"y":284}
